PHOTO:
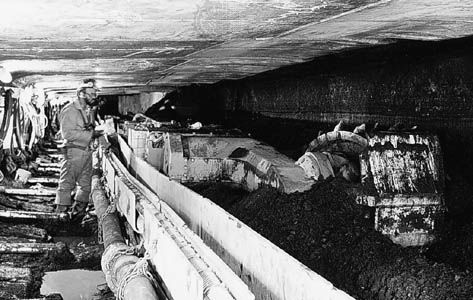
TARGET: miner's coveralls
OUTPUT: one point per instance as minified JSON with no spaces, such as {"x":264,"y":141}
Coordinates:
{"x":76,"y":168}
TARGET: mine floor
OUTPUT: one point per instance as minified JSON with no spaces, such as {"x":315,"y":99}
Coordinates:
{"x":36,"y":250}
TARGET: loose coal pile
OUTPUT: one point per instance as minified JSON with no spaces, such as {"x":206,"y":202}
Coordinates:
{"x":327,"y":231}
{"x":455,"y":245}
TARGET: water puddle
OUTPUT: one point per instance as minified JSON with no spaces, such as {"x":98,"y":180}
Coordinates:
{"x":72,"y":284}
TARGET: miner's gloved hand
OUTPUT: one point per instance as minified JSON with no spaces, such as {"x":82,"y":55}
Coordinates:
{"x":89,"y":127}
{"x":97,"y":133}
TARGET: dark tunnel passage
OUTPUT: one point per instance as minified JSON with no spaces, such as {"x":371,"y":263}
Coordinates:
{"x":236,"y":150}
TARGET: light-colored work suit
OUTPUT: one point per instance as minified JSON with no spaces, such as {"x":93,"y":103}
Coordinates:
{"x":76,"y":168}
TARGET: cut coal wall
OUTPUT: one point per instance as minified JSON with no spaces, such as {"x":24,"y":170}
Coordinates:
{"x":428,"y":84}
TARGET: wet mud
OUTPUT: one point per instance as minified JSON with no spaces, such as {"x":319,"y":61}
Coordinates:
{"x":78,"y":252}
{"x":54,"y":245}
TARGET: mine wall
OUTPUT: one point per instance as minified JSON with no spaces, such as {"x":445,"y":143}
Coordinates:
{"x":423,"y":84}
{"x":427,"y":84}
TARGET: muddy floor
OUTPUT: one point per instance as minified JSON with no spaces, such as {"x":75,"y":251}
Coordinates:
{"x":327,"y":231}
{"x":66,"y":252}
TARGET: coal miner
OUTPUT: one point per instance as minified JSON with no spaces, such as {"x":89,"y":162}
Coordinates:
{"x":77,"y":129}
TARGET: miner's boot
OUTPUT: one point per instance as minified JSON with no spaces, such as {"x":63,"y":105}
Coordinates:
{"x":62,"y":208}
{"x":78,"y":211}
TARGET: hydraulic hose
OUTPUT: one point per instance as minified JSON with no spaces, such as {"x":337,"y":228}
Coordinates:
{"x":123,"y":270}
{"x":17,"y":126}
{"x":16,"y":133}
{"x":6,"y":115}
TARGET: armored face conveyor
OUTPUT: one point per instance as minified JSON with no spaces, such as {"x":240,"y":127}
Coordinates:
{"x":198,"y":249}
